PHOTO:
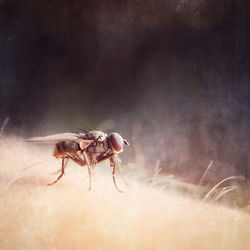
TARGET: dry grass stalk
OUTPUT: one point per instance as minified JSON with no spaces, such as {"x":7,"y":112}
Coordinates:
{"x":5,"y":122}
{"x":224,"y":191}
{"x":218,"y":184}
{"x":203,"y":176}
{"x":157,"y":171}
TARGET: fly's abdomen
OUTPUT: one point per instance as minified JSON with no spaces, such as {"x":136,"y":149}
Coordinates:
{"x":62,"y":148}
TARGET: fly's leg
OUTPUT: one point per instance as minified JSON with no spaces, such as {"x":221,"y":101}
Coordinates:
{"x":115,"y":161}
{"x":82,"y":162}
{"x":88,"y":165}
{"x":76,"y":159}
{"x":118,"y":170}
{"x":115,"y":164}
{"x":62,"y":172}
{"x":58,"y":171}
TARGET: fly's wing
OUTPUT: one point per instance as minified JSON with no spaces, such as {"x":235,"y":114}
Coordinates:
{"x":54,"y":138}
{"x":79,"y":138}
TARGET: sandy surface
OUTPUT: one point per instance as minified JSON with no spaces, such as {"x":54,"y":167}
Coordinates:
{"x":67,"y":216}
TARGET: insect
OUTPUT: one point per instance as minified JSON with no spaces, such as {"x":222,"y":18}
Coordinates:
{"x":87,"y":149}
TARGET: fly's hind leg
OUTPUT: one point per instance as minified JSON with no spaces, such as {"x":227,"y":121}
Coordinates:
{"x":88,"y":165}
{"x":79,"y":161}
{"x":62,"y":171}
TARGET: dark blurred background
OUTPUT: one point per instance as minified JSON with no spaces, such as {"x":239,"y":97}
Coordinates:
{"x":172,"y":76}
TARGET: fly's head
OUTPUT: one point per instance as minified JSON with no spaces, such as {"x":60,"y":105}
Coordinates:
{"x":117,"y":142}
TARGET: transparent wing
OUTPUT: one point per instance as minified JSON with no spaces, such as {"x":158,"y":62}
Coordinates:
{"x":54,"y":138}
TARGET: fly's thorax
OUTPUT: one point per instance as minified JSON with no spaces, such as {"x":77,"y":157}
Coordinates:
{"x":98,"y":147}
{"x":97,"y":135}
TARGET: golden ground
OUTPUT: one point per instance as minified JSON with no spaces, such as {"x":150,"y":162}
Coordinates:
{"x":67,"y":216}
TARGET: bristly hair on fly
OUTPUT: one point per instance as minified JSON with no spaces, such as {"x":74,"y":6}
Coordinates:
{"x":84,"y":130}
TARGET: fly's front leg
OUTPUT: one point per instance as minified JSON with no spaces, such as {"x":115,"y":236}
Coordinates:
{"x":118,"y":169}
{"x":114,"y":162}
{"x":62,"y":172}
{"x":88,"y":165}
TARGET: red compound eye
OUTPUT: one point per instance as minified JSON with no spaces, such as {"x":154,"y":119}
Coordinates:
{"x":117,"y":141}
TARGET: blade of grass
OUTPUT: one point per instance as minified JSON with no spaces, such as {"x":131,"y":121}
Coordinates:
{"x":225,"y":191}
{"x":203,"y":176}
{"x":218,"y":184}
